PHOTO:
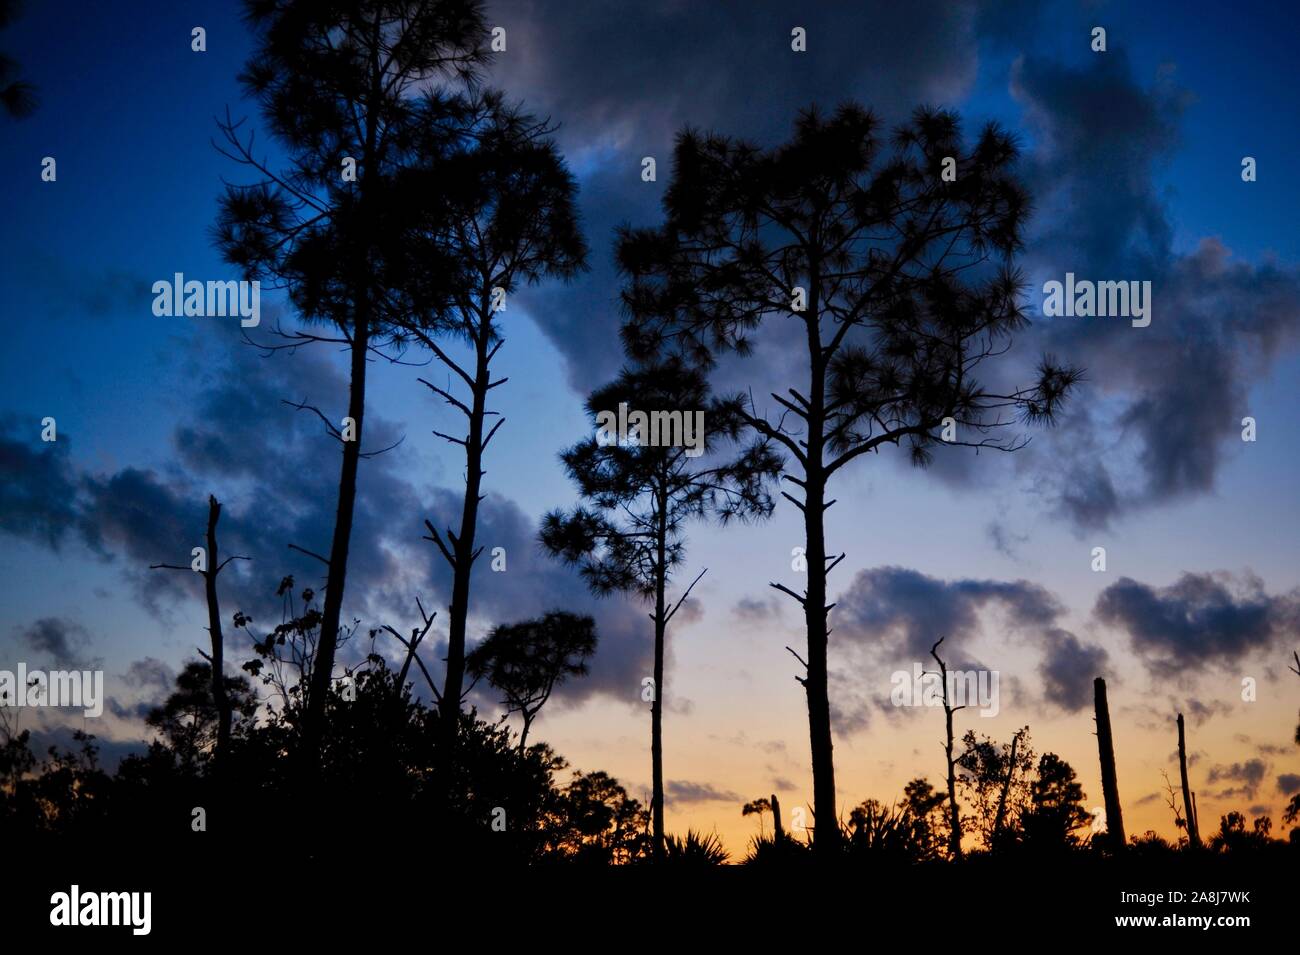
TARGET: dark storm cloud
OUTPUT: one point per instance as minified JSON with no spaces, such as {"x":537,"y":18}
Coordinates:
{"x":150,"y":681}
{"x":1099,"y":136}
{"x":891,"y":616}
{"x":683,"y":792}
{"x":1180,"y":388}
{"x":242,"y":431}
{"x":274,"y":469}
{"x":1288,"y":784}
{"x":620,"y":73}
{"x":136,"y":710}
{"x":1068,"y":670}
{"x":1202,"y":620}
{"x":56,"y":640}
{"x":141,"y":518}
{"x":149,"y":675}
{"x":904,"y":611}
{"x":282,"y":471}
{"x":853,"y":701}
{"x":1088,"y":498}
{"x":623,"y":79}
{"x":1250,"y":774}
{"x":1201,"y":712}
{"x":37,"y":487}
{"x":276,"y":472}
{"x":1163,"y":404}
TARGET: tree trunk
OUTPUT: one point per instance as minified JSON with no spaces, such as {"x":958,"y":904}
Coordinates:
{"x":778,"y":835}
{"x":826,"y":826}
{"x":657,"y":703}
{"x":1109,"y":780}
{"x":463,"y":545}
{"x":826,"y":830}
{"x":954,"y":811}
{"x":1193,"y":832}
{"x":1000,"y":816}
{"x":219,"y":697}
{"x":323,"y":665}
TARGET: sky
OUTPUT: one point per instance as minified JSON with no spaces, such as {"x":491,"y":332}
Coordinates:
{"x":1134,"y":158}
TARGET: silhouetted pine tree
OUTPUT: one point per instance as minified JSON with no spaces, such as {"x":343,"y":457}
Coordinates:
{"x":487,"y":212}
{"x":901,"y":286}
{"x":1056,"y":807}
{"x":343,"y":87}
{"x":629,"y":537}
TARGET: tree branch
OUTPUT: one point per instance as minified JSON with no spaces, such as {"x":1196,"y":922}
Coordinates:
{"x":679,"y":603}
{"x":786,"y":590}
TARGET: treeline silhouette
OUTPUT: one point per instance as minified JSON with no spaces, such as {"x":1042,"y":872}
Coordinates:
{"x":503,"y":802}
{"x":409,"y":203}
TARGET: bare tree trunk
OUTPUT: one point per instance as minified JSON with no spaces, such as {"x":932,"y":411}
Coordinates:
{"x":657,"y":703}
{"x":954,"y":811}
{"x":826,"y":826}
{"x":1109,"y":780}
{"x":463,"y":544}
{"x":826,"y":822}
{"x":323,"y":665}
{"x":220,"y":699}
{"x":826,"y":829}
{"x":322,"y":672}
{"x":1193,"y":831}
{"x":778,"y":835}
{"x":657,"y":745}
{"x":999,"y":818}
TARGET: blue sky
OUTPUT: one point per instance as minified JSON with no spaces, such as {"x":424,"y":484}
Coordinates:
{"x":1135,"y":155}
